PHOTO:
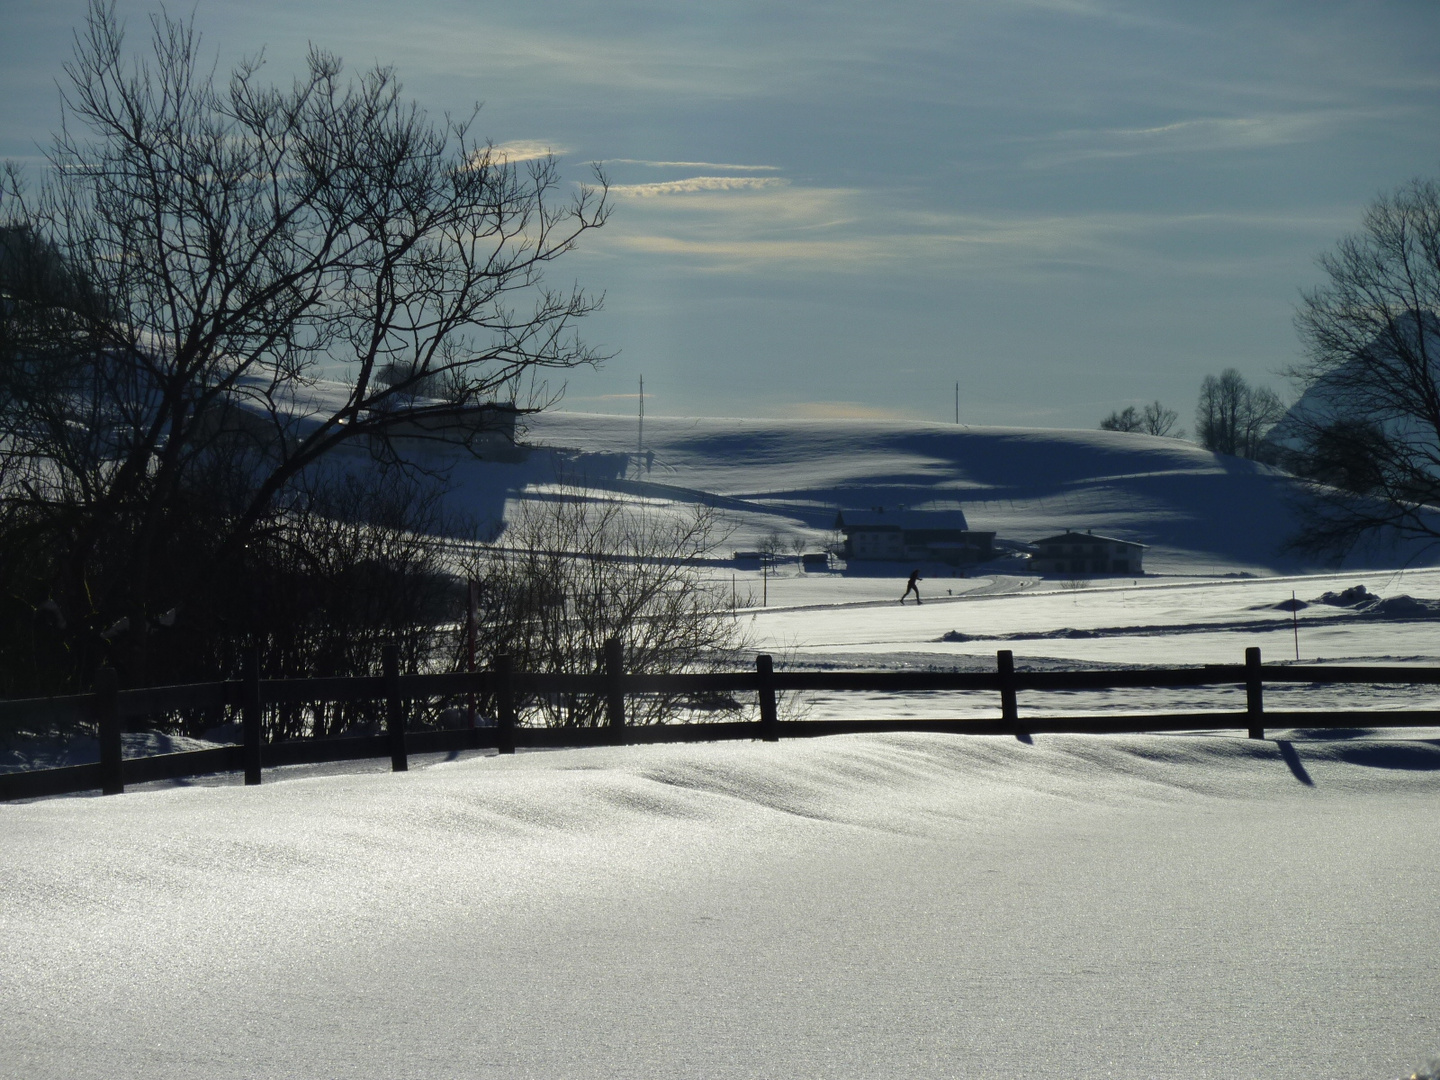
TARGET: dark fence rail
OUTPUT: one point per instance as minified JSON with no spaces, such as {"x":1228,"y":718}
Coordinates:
{"x":109,"y":707}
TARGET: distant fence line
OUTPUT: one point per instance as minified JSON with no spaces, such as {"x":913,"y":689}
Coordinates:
{"x":108,"y":707}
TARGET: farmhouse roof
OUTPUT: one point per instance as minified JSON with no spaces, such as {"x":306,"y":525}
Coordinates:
{"x":1072,"y":537}
{"x":905,"y":520}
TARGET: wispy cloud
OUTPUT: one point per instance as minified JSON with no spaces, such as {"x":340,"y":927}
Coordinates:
{"x":720,"y":166}
{"x":526,"y":150}
{"x":1118,"y":14}
{"x":695,"y":184}
{"x":776,"y":227}
{"x":676,"y":63}
{"x":1208,"y":134}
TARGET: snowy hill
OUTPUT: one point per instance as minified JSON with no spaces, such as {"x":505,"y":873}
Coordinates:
{"x":1199,"y":512}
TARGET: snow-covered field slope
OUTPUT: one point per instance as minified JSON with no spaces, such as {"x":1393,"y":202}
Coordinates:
{"x":897,"y":905}
{"x":1199,"y":512}
{"x":900,"y":906}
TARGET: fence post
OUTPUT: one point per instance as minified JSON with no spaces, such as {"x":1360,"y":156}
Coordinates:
{"x":769,"y":715}
{"x":394,"y":709}
{"x":1009,"y":710}
{"x":504,"y":704}
{"x":250,"y":715}
{"x":107,"y":720}
{"x":614,"y":688}
{"x":1254,"y":694}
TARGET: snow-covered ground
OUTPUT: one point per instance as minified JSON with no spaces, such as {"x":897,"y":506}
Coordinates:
{"x":820,"y":622}
{"x":899,"y":905}
{"x":1200,"y":513}
{"x":881,"y":906}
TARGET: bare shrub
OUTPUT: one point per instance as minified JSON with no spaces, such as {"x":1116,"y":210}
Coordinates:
{"x":572,"y":571}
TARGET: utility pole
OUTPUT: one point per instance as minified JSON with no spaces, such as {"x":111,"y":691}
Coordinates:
{"x":957,"y":402}
{"x":640,"y":437}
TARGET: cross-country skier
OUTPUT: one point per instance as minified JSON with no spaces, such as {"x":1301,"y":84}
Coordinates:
{"x":912,"y":587}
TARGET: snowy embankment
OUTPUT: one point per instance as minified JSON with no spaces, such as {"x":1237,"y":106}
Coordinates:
{"x":882,"y":906}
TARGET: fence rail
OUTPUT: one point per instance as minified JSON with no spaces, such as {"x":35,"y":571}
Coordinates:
{"x":108,"y":707}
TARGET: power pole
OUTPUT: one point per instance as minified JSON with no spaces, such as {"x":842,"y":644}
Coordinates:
{"x":957,"y":402}
{"x":640,"y":437}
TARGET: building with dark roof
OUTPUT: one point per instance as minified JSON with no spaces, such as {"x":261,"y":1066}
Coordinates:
{"x":1073,"y":553}
{"x":487,"y":430}
{"x":881,"y":535}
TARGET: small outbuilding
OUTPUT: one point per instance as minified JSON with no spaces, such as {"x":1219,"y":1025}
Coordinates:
{"x":1087,"y":553}
{"x":815,"y":562}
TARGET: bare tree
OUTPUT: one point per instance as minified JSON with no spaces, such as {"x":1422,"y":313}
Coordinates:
{"x":1154,"y":419}
{"x":1126,"y":419}
{"x":771,"y":545}
{"x":1232,"y":416}
{"x":1367,"y":428}
{"x":201,"y":254}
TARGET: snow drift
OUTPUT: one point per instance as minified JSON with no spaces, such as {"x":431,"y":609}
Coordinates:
{"x":904,"y":905}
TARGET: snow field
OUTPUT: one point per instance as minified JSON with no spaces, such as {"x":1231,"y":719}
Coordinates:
{"x":1200,"y":513}
{"x":1153,"y":623}
{"x":900,"y":905}
{"x":904,"y":905}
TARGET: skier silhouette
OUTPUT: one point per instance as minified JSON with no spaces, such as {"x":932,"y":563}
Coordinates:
{"x":912,"y":587}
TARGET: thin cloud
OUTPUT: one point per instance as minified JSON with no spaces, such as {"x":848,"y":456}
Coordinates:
{"x":1208,"y":134}
{"x":838,"y":230}
{"x":525,"y":150}
{"x":693,"y":165}
{"x":696,"y":184}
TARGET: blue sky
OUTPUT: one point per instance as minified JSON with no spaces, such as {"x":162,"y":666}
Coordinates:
{"x":843,"y":208}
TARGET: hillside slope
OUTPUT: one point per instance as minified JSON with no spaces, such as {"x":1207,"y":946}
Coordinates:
{"x":1200,"y":512}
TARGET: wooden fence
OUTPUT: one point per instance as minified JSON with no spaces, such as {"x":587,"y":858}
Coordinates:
{"x":109,"y":707}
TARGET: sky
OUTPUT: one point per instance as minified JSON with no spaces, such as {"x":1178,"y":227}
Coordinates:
{"x":845,"y":208}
